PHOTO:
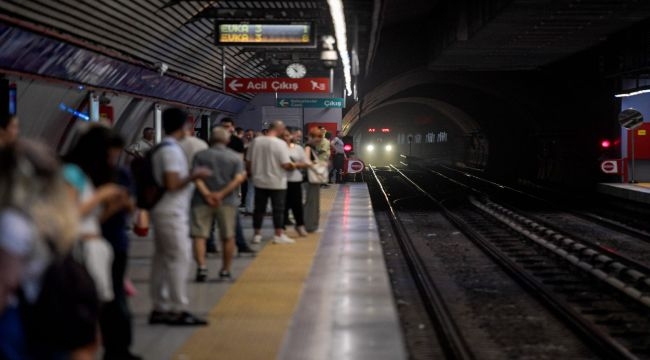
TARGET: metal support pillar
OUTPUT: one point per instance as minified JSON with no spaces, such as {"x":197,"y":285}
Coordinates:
{"x":633,"y":163}
{"x":157,"y":122}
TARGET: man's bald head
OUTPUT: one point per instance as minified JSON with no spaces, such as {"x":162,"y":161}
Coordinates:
{"x":277,"y":127}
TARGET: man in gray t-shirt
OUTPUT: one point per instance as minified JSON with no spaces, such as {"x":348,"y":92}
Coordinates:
{"x":268,"y":160}
{"x":216,"y":197}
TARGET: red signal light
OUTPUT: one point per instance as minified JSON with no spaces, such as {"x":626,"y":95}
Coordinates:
{"x":372,"y":130}
{"x":347,"y":147}
{"x":385,"y":130}
{"x":605,"y":144}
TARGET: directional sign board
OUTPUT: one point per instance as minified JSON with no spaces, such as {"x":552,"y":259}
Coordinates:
{"x":265,"y":34}
{"x":281,"y":85}
{"x":310,"y":103}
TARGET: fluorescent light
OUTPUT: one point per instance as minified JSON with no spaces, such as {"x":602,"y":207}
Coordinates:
{"x":79,"y":114}
{"x":338,"y":18}
{"x":633,"y":92}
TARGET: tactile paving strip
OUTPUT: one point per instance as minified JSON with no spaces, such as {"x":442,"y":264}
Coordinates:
{"x":251,"y":320}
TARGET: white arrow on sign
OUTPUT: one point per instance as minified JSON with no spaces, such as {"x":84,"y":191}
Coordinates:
{"x":234,"y":85}
{"x":284,"y":103}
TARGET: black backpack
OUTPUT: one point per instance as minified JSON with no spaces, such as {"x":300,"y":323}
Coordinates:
{"x":147,"y":190}
{"x":66,"y":312}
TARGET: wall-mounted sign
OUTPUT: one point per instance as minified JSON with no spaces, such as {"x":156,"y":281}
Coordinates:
{"x":106,"y":114}
{"x":267,"y":34}
{"x":310,"y":103}
{"x":355,"y":166}
{"x":281,"y":85}
{"x":609,"y":166}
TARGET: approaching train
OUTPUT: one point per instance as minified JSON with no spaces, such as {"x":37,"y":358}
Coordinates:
{"x":381,"y":146}
{"x":377,"y":147}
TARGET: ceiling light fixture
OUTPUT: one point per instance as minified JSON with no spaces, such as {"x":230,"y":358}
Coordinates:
{"x":338,"y":18}
{"x":632,"y":92}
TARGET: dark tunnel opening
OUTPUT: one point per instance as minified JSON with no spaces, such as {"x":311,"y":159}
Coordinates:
{"x":542,"y":126}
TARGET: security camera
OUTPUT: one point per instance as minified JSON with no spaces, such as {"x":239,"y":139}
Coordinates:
{"x":329,"y":58}
{"x":328,"y":42}
{"x":162,"y":68}
{"x":328,"y":55}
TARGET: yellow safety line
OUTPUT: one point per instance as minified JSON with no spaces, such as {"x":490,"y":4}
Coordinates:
{"x":252,"y":317}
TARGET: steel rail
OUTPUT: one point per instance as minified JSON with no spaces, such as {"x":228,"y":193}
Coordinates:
{"x":450,"y":337}
{"x":610,"y":223}
{"x":626,"y":275}
{"x":606,"y":345}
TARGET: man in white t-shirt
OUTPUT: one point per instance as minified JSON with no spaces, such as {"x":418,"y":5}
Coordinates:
{"x":191,"y":144}
{"x":267,"y":160}
{"x":170,"y":218}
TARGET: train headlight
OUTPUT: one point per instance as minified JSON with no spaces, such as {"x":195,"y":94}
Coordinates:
{"x":389,"y":147}
{"x":370,"y":148}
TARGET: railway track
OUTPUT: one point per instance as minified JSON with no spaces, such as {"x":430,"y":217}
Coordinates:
{"x":450,"y":338}
{"x":622,"y":222}
{"x":602,"y":296}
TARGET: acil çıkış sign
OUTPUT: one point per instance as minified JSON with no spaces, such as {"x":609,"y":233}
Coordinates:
{"x":281,"y":85}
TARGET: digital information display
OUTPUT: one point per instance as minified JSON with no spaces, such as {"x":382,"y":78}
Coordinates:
{"x":265,"y":34}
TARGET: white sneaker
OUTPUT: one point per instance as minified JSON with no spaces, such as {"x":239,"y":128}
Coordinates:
{"x":257,"y":239}
{"x":301,"y":231}
{"x":283,"y":239}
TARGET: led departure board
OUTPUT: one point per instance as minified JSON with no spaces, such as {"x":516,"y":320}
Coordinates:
{"x":266,"y":34}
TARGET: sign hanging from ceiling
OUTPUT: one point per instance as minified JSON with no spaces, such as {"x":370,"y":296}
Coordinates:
{"x":265,"y":34}
{"x":281,"y":85}
{"x":309,"y":103}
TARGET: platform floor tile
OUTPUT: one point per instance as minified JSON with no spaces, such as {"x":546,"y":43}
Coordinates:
{"x":251,"y":319}
{"x":347,"y":309}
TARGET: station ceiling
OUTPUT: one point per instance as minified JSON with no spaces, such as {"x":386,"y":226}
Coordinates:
{"x":526,"y":34}
{"x":180,"y":33}
{"x":459,"y":35}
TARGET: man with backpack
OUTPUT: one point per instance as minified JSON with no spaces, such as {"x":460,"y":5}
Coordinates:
{"x":170,"y":219}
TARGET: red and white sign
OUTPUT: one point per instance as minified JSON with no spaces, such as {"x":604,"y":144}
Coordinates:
{"x":355,"y":166}
{"x":609,"y":166}
{"x":106,"y":113}
{"x":281,"y":85}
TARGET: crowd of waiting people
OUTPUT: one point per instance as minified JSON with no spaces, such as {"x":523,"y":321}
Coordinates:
{"x":65,"y":223}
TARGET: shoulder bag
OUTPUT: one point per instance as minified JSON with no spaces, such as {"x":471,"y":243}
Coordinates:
{"x":318,"y":172}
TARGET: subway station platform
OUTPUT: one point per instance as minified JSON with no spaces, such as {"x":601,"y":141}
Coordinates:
{"x":639,"y":192}
{"x":326,"y":297}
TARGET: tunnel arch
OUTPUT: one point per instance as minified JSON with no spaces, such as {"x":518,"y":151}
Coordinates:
{"x":493,"y":111}
{"x":465,"y":122}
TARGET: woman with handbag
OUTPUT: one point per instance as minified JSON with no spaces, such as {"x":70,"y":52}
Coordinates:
{"x":317,"y":174}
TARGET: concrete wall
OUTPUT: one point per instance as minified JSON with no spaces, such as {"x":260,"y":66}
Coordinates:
{"x":41,"y":117}
{"x":642,"y":104}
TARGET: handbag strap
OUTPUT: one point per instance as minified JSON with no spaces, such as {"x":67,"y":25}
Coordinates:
{"x":312,"y":157}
